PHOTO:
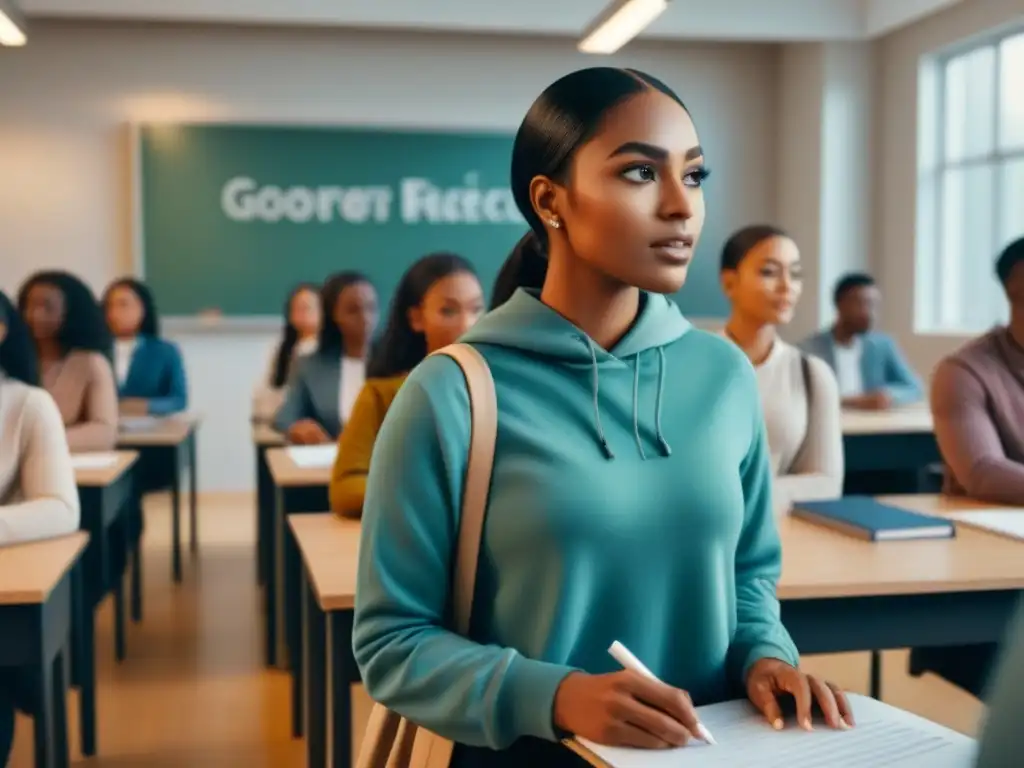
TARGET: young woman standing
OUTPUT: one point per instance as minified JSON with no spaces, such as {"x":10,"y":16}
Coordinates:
{"x":631,"y":490}
{"x":763,"y":279}
{"x":437,"y":300}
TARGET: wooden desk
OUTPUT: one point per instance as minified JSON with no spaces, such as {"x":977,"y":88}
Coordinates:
{"x":329,"y":549}
{"x":263,"y":437}
{"x":840,"y":593}
{"x":43,"y":615}
{"x":172,"y":439}
{"x":296,"y":489}
{"x":105,"y":495}
{"x":899,"y":442}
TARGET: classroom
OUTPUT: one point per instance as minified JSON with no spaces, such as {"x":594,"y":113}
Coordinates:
{"x":686,"y":340}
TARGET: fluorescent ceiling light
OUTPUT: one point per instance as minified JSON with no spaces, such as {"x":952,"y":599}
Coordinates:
{"x":621,"y":22}
{"x":12,"y":25}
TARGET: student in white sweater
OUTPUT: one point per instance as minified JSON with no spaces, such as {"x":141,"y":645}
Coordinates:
{"x":38,"y":497}
{"x":761,"y":276}
{"x":302,"y":318}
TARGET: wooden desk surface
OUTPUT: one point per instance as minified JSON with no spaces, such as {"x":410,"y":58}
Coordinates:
{"x":266,"y":435}
{"x":286,"y":474}
{"x":169,"y":432}
{"x":818,"y":562}
{"x":330,"y":551}
{"x":905,"y":419}
{"x":29,"y":572}
{"x":100,"y":477}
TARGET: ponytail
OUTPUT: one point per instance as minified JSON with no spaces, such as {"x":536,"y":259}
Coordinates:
{"x":526,"y":267}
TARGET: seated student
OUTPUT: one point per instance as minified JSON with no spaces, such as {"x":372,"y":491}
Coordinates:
{"x":324,"y":385}
{"x":436,"y":301}
{"x":1002,"y":738}
{"x":298,"y":339}
{"x":149,"y":370}
{"x":977,"y":401}
{"x":74,"y":350}
{"x":762,"y":278}
{"x":38,"y":497}
{"x":871,"y":371}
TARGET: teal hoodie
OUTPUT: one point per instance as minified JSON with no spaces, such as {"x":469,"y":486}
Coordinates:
{"x":630,"y":500}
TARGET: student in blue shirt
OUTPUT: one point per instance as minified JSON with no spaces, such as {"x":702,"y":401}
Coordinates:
{"x":871,"y":371}
{"x":631,"y":489}
{"x":149,"y":370}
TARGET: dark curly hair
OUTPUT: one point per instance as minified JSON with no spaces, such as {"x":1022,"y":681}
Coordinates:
{"x":150,"y":325}
{"x":83,"y":327}
{"x":401,"y":348}
{"x":17,"y":352}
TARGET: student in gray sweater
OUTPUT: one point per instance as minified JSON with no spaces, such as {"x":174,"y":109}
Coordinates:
{"x":977,"y":404}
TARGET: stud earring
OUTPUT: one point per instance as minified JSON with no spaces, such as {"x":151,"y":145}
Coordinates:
{"x":555,"y":223}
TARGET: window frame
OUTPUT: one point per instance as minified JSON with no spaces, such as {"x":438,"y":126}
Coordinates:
{"x":938,"y":168}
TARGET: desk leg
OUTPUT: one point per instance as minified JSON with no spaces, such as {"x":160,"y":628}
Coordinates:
{"x":272,"y":593}
{"x":193,"y":541}
{"x":176,"y":518}
{"x":124,"y":545}
{"x":314,"y":629}
{"x":61,"y":742}
{"x":136,"y":513}
{"x":876,"y":675}
{"x":293,"y":626}
{"x":343,"y":674}
{"x":83,"y":656}
{"x":44,"y":721}
{"x":264,"y":515}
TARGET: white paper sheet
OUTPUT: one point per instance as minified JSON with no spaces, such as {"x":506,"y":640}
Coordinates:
{"x":1006,"y":522}
{"x":93,"y":460}
{"x":884,"y":736}
{"x":137,"y":423}
{"x":313,"y":456}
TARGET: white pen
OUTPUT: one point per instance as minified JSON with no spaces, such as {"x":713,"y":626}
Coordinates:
{"x":624,"y":656}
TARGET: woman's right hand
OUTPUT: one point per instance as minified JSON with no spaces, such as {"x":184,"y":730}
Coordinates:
{"x":625,"y":709}
{"x":307,"y":432}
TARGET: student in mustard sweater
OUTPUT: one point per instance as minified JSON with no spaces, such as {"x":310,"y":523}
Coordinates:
{"x":437,"y":300}
{"x":631,"y":490}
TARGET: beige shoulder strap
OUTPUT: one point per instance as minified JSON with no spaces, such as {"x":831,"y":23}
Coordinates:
{"x":483,"y":406}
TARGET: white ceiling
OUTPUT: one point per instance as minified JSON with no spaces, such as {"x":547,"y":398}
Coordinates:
{"x":767,"y":20}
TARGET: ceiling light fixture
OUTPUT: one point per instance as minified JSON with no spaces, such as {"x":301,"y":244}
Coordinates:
{"x":12,"y":25}
{"x":619,"y":23}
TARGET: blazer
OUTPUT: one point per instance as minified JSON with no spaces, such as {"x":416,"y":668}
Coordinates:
{"x":82,"y":385}
{"x":38,"y":497}
{"x":313,"y":394}
{"x":352,"y":464}
{"x":157,"y":374}
{"x":882,"y":367}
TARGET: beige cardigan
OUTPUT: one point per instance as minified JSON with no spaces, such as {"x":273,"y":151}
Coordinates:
{"x":38,"y":497}
{"x":82,"y":385}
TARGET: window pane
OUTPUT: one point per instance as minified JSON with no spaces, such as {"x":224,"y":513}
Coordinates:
{"x":1012,"y":194}
{"x":970,"y":104}
{"x":966,"y":242}
{"x":1011,"y":92}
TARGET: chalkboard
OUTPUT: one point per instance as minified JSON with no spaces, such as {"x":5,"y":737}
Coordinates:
{"x":231,"y":216}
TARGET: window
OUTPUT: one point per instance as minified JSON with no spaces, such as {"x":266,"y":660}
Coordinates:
{"x":972,"y":185}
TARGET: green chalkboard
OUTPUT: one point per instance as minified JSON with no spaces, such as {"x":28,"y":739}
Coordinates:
{"x":233,"y":215}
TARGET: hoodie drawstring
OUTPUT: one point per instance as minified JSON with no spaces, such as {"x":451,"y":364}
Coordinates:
{"x":666,"y":449}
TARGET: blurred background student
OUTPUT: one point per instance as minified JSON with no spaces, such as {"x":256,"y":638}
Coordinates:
{"x":763,"y":279}
{"x":75,"y":352}
{"x":324,"y":385}
{"x":38,"y":497}
{"x":149,"y":370}
{"x":302,"y":317}
{"x":437,"y":300}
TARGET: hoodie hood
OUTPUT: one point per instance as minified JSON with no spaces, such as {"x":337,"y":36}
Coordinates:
{"x":527,"y":324}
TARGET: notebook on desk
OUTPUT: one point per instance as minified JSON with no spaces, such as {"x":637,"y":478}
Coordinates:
{"x":884,"y":735}
{"x":313,"y":456}
{"x":1004,"y":522}
{"x":865,"y":518}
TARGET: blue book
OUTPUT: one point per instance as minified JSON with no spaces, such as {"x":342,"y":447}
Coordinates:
{"x":865,"y":518}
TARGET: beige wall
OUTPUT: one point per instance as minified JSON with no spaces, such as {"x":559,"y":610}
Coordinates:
{"x":67,"y":96}
{"x":895,"y":169}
